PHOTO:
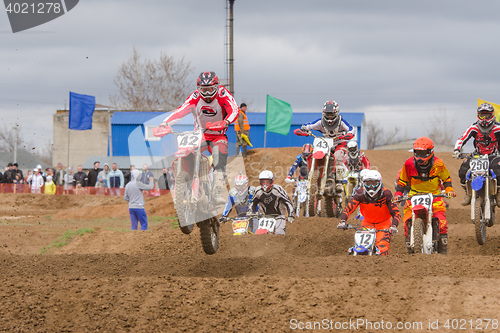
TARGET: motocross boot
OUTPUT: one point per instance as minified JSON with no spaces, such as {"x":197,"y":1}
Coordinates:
{"x":219,"y":185}
{"x":407,"y":241}
{"x":443,"y":244}
{"x":467,"y":197}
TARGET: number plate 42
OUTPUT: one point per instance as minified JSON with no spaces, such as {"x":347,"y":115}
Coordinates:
{"x":189,"y":139}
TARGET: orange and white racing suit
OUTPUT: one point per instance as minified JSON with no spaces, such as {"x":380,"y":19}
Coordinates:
{"x":379,"y":213}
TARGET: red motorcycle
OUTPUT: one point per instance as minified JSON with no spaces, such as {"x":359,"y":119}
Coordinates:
{"x":193,"y":191}
{"x":323,"y":200}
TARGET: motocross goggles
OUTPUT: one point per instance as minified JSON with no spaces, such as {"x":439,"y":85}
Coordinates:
{"x":208,"y":91}
{"x":422,"y":153}
{"x":330,"y":116}
{"x":371,"y":184}
{"x":485,"y":115}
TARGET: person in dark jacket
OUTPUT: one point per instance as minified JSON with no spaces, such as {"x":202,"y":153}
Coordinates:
{"x":92,"y":176}
{"x":80,"y":178}
{"x":9,"y":174}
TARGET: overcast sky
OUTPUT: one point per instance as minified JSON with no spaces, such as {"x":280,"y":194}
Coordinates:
{"x":397,"y":61}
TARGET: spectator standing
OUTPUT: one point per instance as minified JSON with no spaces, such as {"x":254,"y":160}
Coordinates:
{"x":39,"y":167}
{"x":59,"y":175}
{"x":241,"y":126}
{"x":115,"y":177}
{"x":15,"y":168}
{"x":171,"y":178}
{"x":80,"y":178}
{"x":163,"y":180}
{"x":29,"y":173}
{"x":135,"y":198}
{"x":93,"y":175}
{"x":36,"y":181}
{"x":145,"y":174}
{"x":8,"y":175}
{"x":103,"y":175}
{"x":127,"y":174}
{"x":69,"y":177}
{"x":50,"y":187}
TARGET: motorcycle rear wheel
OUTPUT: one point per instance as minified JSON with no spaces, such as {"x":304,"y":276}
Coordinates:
{"x":209,"y":232}
{"x":479,"y":222}
{"x":182,"y":196}
{"x":418,"y":235}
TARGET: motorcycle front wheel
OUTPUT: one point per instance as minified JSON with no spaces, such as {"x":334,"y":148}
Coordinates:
{"x":479,"y":222}
{"x":182,"y":197}
{"x":418,"y":235}
{"x":209,"y":232}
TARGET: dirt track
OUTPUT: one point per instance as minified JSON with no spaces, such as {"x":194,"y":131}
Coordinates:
{"x":161,"y":281}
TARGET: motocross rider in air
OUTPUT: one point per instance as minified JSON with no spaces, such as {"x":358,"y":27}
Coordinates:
{"x":240,"y":198}
{"x":486,"y":134}
{"x":272,"y":199}
{"x":332,"y":125}
{"x":423,"y":173}
{"x":210,"y":103}
{"x":375,"y":202}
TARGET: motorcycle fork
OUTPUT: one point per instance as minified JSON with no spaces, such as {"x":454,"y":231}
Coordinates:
{"x":310,"y":177}
{"x":195,"y":186}
{"x":325,"y":174}
{"x":487,"y":206}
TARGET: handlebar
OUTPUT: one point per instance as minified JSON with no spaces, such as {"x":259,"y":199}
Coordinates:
{"x":357,"y":227}
{"x":300,"y":132}
{"x":467,"y":155}
{"x":407,"y":197}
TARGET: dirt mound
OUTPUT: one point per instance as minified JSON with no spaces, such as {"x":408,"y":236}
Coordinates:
{"x":113,"y":279}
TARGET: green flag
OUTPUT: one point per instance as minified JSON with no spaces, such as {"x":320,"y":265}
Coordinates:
{"x":278,"y":116}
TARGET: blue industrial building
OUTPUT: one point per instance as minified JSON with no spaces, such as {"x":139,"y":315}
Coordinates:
{"x":132,"y":136}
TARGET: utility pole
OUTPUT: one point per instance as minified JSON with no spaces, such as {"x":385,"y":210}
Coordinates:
{"x":229,"y":50}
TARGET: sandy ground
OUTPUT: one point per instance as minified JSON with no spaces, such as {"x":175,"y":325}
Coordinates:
{"x":115,"y":280}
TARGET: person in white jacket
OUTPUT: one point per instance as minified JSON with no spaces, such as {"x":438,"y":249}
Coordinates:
{"x":36,"y":181}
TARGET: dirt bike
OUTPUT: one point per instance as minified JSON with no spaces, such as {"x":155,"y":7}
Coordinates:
{"x":423,"y":228}
{"x":352,"y":182}
{"x":300,"y":197}
{"x":193,"y":192}
{"x":482,"y":184}
{"x":364,"y":240}
{"x":323,"y":199}
{"x":267,"y":223}
{"x":240,"y":225}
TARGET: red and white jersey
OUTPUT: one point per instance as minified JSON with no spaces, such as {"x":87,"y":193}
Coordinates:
{"x":223,"y":107}
{"x":357,"y":164}
{"x":483,"y":143}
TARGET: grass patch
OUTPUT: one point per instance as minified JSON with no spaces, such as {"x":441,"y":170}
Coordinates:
{"x":64,"y":239}
{"x":48,"y":217}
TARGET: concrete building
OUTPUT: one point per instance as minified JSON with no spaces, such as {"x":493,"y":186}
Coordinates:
{"x":82,"y":143}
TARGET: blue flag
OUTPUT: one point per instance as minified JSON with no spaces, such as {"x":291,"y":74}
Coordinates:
{"x":81,"y":109}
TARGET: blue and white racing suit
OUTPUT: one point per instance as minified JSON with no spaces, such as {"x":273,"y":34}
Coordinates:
{"x":241,"y":204}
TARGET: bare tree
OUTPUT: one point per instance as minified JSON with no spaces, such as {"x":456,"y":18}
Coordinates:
{"x":374,"y":134}
{"x":151,"y":85}
{"x":8,"y":138}
{"x":442,"y":127}
{"x":45,"y":152}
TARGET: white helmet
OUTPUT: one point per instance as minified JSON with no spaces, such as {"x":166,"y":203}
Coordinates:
{"x":372,"y":183}
{"x":266,"y":175}
{"x":352,"y":147}
{"x":241,"y":184}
